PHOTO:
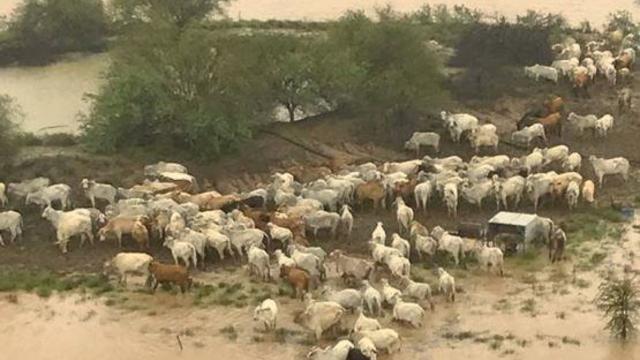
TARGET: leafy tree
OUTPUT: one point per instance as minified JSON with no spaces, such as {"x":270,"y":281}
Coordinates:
{"x":619,"y":300}
{"x":290,"y":72}
{"x":621,"y":20}
{"x":39,"y":29}
{"x":10,"y":116}
{"x":399,"y":74}
{"x":178,"y":88}
{"x":487,"y":49}
{"x":130,"y":12}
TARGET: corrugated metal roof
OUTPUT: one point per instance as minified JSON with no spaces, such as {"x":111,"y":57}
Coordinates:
{"x":511,"y":218}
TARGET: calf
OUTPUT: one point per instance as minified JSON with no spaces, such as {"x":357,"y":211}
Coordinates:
{"x":170,"y":274}
{"x":94,"y":190}
{"x":298,"y":278}
{"x":552,"y":124}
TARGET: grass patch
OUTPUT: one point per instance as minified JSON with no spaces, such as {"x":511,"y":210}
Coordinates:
{"x":582,"y":283}
{"x":597,"y":257}
{"x":529,"y":306}
{"x":53,"y":139}
{"x":462,"y":335}
{"x":495,"y":345}
{"x":44,"y":283}
{"x":230,"y":332}
{"x":572,"y":341}
{"x":594,"y":225}
{"x":529,"y":260}
{"x":502,"y":305}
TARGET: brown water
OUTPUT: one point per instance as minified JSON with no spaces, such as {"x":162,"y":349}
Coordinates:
{"x":575,"y":10}
{"x":76,"y":327}
{"x":52,"y":95}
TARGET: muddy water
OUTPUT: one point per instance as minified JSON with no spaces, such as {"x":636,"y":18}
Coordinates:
{"x":560,"y":321}
{"x":51,"y":96}
{"x":76,"y":328}
{"x":575,"y":10}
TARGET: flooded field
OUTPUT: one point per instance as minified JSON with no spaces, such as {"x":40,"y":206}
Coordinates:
{"x":537,"y":310}
{"x":574,"y":10}
{"x":51,"y":96}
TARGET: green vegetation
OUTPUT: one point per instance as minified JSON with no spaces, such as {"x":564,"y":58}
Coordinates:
{"x":44,"y":283}
{"x":619,"y":300}
{"x":130,"y":13}
{"x":529,"y":306}
{"x":53,"y":139}
{"x":38,"y":30}
{"x":230,"y":332}
{"x":235,"y":294}
{"x":487,"y":49}
{"x":10,"y":117}
{"x":593,"y":225}
{"x":180,"y":85}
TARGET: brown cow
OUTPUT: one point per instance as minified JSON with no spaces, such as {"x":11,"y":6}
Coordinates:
{"x":581,"y":82}
{"x":373,"y":191}
{"x":170,"y":274}
{"x":405,"y":190}
{"x":624,"y":61}
{"x":554,"y":104}
{"x":119,"y":226}
{"x":552,"y":124}
{"x":298,"y":278}
{"x":220,"y":202}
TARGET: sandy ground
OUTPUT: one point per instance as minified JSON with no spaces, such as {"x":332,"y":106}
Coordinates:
{"x":537,"y":309}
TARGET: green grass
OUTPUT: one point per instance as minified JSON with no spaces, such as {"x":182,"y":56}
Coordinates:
{"x":54,"y":139}
{"x":230,"y":294}
{"x":572,"y":341}
{"x":594,"y":225}
{"x":44,"y":283}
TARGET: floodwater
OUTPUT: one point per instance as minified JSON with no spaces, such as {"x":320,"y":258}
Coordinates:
{"x":548,"y":315}
{"x":52,"y":96}
{"x":574,"y":10}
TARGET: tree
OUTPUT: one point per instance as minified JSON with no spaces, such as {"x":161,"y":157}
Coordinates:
{"x":126,"y":13}
{"x":177,"y":88}
{"x":398,"y":74}
{"x":619,"y":300}
{"x":10,"y":116}
{"x":487,"y":49}
{"x":40,"y":29}
{"x":621,"y":20}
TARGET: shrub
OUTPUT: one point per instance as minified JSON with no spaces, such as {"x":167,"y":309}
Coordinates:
{"x":40,"y":29}
{"x":619,"y":300}
{"x":10,"y":116}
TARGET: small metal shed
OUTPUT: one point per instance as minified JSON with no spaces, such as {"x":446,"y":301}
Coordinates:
{"x":519,"y":224}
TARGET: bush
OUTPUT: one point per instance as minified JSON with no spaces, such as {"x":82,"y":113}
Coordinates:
{"x":10,"y":116}
{"x":40,"y":29}
{"x":619,"y":300}
{"x":487,"y":50}
{"x":173,"y":88}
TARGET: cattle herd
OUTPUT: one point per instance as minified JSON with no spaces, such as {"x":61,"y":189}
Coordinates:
{"x":270,"y":227}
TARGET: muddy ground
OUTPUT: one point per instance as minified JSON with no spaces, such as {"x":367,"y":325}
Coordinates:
{"x":350,"y":138}
{"x":494,"y":317}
